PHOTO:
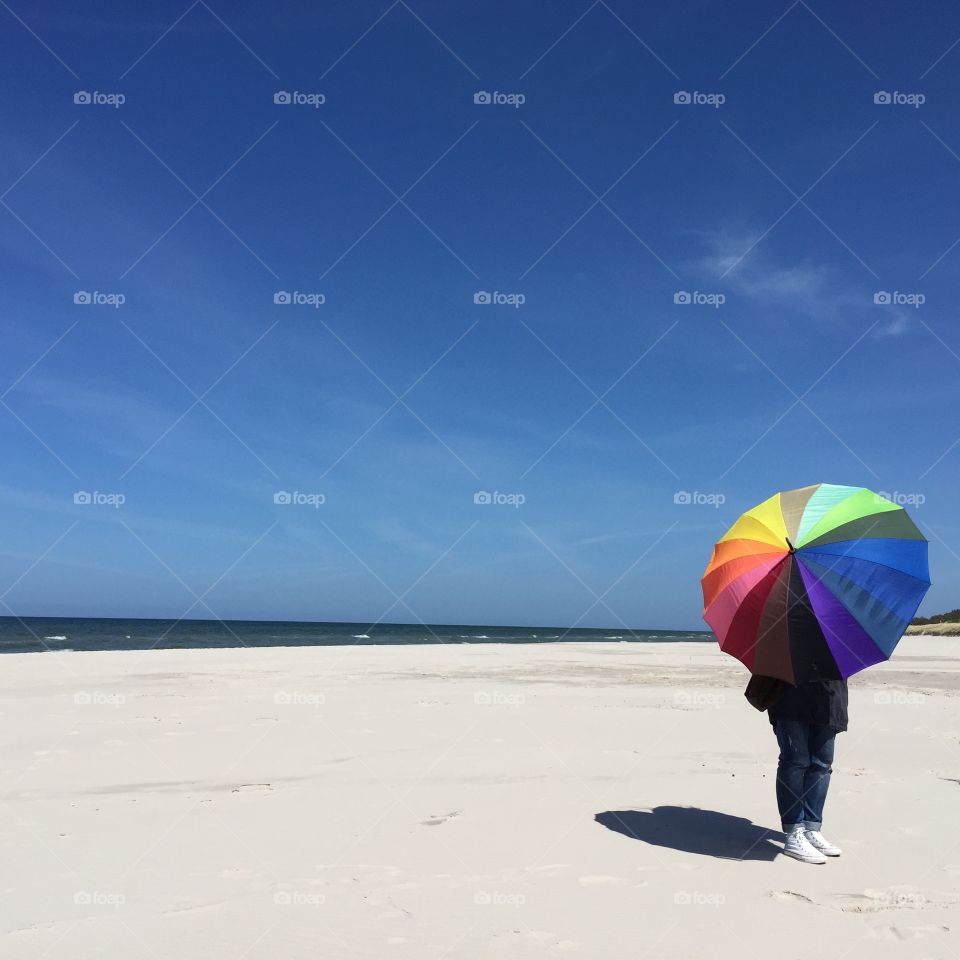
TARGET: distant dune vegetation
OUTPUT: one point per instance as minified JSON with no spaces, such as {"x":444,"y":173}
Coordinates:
{"x":940,"y":625}
{"x":935,"y":629}
{"x":952,"y":616}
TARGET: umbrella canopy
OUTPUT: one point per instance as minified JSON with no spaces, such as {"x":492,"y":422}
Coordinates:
{"x":818,"y":582}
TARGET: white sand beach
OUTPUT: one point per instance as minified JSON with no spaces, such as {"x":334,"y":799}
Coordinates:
{"x":595,"y":800}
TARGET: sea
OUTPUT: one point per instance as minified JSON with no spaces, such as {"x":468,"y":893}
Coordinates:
{"x":36,"y":634}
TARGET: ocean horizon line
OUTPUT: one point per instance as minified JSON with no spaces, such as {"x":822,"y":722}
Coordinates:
{"x":32,"y":633}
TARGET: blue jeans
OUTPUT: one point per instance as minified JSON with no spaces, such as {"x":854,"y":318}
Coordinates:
{"x":803,"y":774}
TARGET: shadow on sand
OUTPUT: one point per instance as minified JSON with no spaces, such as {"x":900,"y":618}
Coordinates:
{"x":707,"y":832}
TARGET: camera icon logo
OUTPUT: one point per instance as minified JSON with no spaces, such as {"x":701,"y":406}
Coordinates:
{"x":482,"y":96}
{"x":681,"y":296}
{"x":882,"y":297}
{"x":682,"y":497}
{"x":682,"y":96}
{"x":82,"y":96}
{"x":482,"y":497}
{"x":81,"y":296}
{"x":282,"y":497}
{"x":281,"y":296}
{"x":282,"y":96}
{"x":82,"y":498}
{"x":482,"y":296}
{"x":882,"y":96}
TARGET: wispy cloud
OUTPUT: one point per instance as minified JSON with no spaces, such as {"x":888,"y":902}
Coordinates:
{"x":898,"y":324}
{"x":734,"y":258}
{"x":820,"y":291}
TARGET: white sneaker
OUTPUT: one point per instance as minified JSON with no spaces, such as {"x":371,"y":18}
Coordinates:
{"x":818,"y":840}
{"x":800,"y":848}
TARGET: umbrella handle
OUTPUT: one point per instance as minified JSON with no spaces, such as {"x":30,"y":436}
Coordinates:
{"x":793,"y":549}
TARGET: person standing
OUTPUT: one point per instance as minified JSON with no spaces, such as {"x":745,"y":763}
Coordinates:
{"x":806,"y":720}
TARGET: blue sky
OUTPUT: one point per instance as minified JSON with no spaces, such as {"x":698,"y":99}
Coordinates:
{"x":595,"y":201}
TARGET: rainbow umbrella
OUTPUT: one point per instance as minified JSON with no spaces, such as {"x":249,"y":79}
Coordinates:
{"x":815,"y":582}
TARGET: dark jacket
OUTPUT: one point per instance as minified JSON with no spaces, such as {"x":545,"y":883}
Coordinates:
{"x":819,"y":701}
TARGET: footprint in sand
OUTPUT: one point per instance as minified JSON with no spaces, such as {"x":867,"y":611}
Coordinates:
{"x":548,"y":869}
{"x":195,"y":907}
{"x":253,"y":788}
{"x":788,"y":896}
{"x":551,"y":942}
{"x":395,"y":913}
{"x":894,"y":898}
{"x":605,"y":881}
{"x":902,"y":932}
{"x":41,"y":927}
{"x":437,"y":819}
{"x":546,"y":942}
